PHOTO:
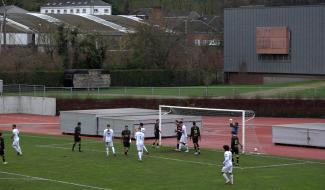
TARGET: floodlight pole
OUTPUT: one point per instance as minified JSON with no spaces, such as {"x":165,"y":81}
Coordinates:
{"x":243,"y":131}
{"x":3,"y":26}
{"x":159,"y":125}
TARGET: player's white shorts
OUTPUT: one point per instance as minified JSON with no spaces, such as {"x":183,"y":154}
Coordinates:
{"x":227,"y":169}
{"x":15,"y":143}
{"x":183,"y":139}
{"x":109,"y":144}
{"x":140,"y":147}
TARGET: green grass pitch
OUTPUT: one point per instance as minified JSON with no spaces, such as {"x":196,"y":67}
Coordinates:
{"x":49,"y":164}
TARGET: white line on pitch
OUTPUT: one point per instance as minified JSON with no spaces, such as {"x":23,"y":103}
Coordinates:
{"x":84,"y":142}
{"x":276,"y":165}
{"x":56,"y":181}
{"x":247,"y":154}
{"x":15,"y":178}
{"x":158,"y":157}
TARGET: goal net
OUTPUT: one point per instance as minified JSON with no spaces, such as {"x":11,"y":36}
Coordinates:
{"x":215,"y":125}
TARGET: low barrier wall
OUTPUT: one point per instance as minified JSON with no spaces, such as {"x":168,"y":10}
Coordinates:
{"x":28,"y":105}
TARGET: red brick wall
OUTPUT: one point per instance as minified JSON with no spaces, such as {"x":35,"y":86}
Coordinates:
{"x":244,"y":78}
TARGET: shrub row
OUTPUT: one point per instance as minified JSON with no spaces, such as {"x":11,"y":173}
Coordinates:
{"x":35,"y":78}
{"x":262,"y":108}
{"x":157,"y":78}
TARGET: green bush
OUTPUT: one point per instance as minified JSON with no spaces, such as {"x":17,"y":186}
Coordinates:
{"x":156,"y":78}
{"x":33,"y":78}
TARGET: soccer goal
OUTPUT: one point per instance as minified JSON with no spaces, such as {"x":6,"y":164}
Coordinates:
{"x":215,"y":121}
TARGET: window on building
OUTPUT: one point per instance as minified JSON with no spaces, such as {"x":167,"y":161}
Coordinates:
{"x":52,"y":11}
{"x":274,"y":57}
{"x":65,"y":11}
{"x":83,"y":10}
{"x":46,"y":11}
{"x":58,"y":11}
{"x":105,"y":10}
{"x":95,"y":10}
{"x":71,"y":10}
{"x":197,"y":42}
{"x":78,"y":11}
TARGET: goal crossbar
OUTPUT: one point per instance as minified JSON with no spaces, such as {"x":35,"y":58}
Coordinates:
{"x":242,"y":112}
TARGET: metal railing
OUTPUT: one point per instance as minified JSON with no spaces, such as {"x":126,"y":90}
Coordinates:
{"x":168,"y":92}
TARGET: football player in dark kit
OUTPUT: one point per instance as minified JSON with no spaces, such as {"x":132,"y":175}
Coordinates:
{"x":178,"y":132}
{"x":195,"y":136}
{"x":77,"y":138}
{"x":126,"y":139}
{"x":156,"y":133}
{"x":234,"y":148}
{"x":2,"y":149}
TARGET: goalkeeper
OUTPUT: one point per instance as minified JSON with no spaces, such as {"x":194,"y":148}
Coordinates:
{"x":234,"y":148}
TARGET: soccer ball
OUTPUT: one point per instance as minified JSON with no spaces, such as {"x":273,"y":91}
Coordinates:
{"x":255,"y":149}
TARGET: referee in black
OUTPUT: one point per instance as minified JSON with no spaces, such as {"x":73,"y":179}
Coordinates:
{"x":77,"y":138}
{"x":2,"y":149}
{"x":196,"y":136}
{"x":126,"y":139}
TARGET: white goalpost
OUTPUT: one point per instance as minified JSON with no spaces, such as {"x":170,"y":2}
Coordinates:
{"x":244,"y":115}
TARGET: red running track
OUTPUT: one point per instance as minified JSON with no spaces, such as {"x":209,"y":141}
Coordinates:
{"x":215,"y":133}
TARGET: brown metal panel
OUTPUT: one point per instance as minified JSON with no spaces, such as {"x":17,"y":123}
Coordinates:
{"x":272,"y":40}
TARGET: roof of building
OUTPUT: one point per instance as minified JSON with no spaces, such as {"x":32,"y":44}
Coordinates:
{"x":69,"y":3}
{"x":12,"y":9}
{"x":45,"y":23}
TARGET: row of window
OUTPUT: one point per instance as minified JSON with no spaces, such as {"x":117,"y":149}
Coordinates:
{"x":68,"y":2}
{"x":214,"y":42}
{"x":65,"y":11}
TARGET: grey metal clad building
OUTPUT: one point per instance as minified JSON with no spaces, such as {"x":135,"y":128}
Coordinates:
{"x":264,"y":42}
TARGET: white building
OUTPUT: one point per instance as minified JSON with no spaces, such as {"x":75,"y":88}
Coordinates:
{"x":94,"y":7}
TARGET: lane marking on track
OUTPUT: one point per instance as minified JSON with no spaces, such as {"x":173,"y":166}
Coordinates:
{"x":18,"y":124}
{"x":55,"y":181}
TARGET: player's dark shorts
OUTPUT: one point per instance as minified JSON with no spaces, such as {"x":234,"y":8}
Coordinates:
{"x":234,"y":150}
{"x":156,"y":135}
{"x":126,"y":143}
{"x":77,"y":138}
{"x":2,"y":152}
{"x":179,"y":135}
{"x":195,"y":139}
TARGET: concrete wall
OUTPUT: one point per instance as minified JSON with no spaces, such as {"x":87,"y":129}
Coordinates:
{"x":28,"y":105}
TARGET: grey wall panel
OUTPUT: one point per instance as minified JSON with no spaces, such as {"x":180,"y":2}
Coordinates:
{"x":307,"y":28}
{"x":168,"y":124}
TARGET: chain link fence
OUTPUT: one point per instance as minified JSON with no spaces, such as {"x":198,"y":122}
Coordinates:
{"x":164,"y":92}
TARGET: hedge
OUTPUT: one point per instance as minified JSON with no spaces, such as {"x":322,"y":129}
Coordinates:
{"x":35,"y":78}
{"x":155,"y":78}
{"x":262,"y":108}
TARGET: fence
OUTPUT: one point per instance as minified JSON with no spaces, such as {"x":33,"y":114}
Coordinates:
{"x":165,"y":92}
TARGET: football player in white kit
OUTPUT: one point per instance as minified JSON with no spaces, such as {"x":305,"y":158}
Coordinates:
{"x":227,"y":166}
{"x":108,"y":136}
{"x":183,"y":141}
{"x":142,"y":129}
{"x":15,"y":138}
{"x":139,"y":137}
